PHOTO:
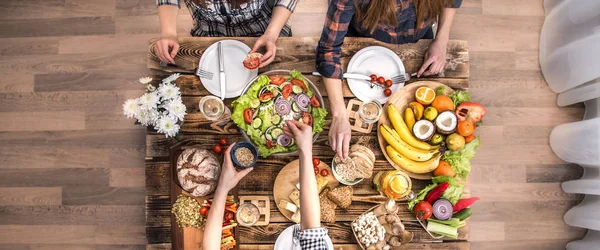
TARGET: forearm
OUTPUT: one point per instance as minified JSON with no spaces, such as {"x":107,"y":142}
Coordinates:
{"x":167,"y":14}
{"x":335,"y":93}
{"x":214,"y":223}
{"x":310,"y":211}
{"x":445,"y":23}
{"x":278,"y":20}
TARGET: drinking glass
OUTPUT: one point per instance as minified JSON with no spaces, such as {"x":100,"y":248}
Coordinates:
{"x":214,"y":109}
{"x":248,"y":214}
{"x":370,"y":111}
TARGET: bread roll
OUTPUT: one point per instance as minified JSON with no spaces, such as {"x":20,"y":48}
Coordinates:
{"x":198,"y":171}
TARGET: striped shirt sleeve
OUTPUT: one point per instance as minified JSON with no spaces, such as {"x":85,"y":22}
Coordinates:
{"x":329,"y":49}
{"x":288,"y":4}
{"x":168,"y":2}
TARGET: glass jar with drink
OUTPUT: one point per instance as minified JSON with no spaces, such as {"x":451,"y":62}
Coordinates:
{"x":213,"y":109}
{"x":369,"y":112}
{"x":393,"y":184}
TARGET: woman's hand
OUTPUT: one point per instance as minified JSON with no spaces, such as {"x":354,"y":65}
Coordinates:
{"x":229,"y":176}
{"x":301,"y":132}
{"x":339,"y":135}
{"x":435,"y":59}
{"x":268,"y":41}
{"x":161,"y":49}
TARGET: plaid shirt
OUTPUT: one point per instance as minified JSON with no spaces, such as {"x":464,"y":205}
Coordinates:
{"x":340,"y":19}
{"x":219,"y":18}
{"x":311,"y":239}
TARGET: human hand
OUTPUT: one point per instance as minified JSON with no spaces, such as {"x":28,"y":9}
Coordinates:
{"x":339,"y":135}
{"x":267,"y":41}
{"x":161,"y":49}
{"x":229,"y":176}
{"x":301,"y":132}
{"x":435,"y":59}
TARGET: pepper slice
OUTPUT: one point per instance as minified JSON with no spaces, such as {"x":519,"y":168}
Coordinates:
{"x":248,"y":115}
{"x":464,"y":203}
{"x":436,"y":192}
{"x":471,"y":111}
{"x":287,"y":91}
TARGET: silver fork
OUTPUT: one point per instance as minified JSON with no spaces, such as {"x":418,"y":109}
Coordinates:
{"x":204,"y":74}
{"x":402,"y":78}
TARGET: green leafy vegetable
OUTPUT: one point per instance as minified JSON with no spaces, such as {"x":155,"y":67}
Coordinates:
{"x":459,"y":97}
{"x":318,"y":119}
{"x":440,"y":90}
{"x":452,"y":193}
{"x":460,"y":161}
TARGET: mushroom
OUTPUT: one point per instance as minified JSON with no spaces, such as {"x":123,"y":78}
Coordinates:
{"x":397,"y":228}
{"x":380,"y":210}
{"x":380,"y":244}
{"x":391,"y":207}
{"x":382,"y":219}
{"x":406,"y":236}
{"x":395,"y":241}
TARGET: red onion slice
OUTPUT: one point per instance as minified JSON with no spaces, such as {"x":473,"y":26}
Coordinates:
{"x":284,"y":140}
{"x":442,"y":209}
{"x":302,"y":100}
{"x":282,"y":107}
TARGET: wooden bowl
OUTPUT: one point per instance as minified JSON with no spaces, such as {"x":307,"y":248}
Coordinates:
{"x":401,"y":99}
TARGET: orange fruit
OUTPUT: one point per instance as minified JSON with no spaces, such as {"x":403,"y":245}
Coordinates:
{"x":442,"y":103}
{"x":444,"y":169}
{"x":417,"y":109}
{"x":425,"y":95}
{"x":465,"y":128}
{"x":469,"y":138}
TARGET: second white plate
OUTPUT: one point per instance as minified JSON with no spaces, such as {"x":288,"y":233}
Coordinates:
{"x":236,"y":75}
{"x":377,"y":60}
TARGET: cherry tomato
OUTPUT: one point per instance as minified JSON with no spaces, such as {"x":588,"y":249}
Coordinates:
{"x":248,"y":115}
{"x":223,"y":141}
{"x":423,"y":210}
{"x":387,"y":92}
{"x":277,"y":80}
{"x":314,"y":102}
{"x":373,"y":77}
{"x":228,"y":216}
{"x":299,"y":83}
{"x":287,"y":91}
{"x":469,"y":138}
{"x":316,"y":169}
{"x":316,"y":162}
{"x":324,"y":172}
{"x":388,"y":83}
{"x":380,"y":80}
{"x":270,"y":144}
{"x":252,"y":61}
{"x":218,"y":149}
{"x":266,"y":96}
{"x":307,"y":118}
{"x":204,"y":211}
{"x":317,"y":172}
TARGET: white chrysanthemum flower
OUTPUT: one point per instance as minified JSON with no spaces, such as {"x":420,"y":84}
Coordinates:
{"x":149,"y":101}
{"x":150,"y":88}
{"x":176,"y":109}
{"x":143,"y":117}
{"x":168,"y":91}
{"x":131,"y":107}
{"x":171,"y":78}
{"x":167,"y":126}
{"x":145,"y":80}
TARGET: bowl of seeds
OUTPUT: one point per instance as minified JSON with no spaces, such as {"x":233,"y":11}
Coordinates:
{"x":244,"y":155}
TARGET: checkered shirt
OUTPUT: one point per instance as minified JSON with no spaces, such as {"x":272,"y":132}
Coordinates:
{"x":219,"y":18}
{"x":311,"y":239}
{"x":340,"y":17}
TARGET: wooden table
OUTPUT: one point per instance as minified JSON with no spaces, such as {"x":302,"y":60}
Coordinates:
{"x":292,"y":53}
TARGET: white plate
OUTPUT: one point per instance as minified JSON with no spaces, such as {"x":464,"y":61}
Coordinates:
{"x":236,"y":75}
{"x":285,"y":241}
{"x":374,"y":60}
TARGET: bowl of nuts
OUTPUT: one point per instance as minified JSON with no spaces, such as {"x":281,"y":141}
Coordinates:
{"x":244,"y":155}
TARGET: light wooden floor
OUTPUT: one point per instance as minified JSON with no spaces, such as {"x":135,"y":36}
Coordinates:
{"x":71,"y":166}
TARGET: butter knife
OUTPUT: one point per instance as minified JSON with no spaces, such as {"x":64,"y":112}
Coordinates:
{"x":221,"y":70}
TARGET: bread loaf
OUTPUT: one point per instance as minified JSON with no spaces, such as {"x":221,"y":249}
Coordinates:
{"x":198,"y":171}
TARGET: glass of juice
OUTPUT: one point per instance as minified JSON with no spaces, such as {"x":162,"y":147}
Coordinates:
{"x":393,"y":184}
{"x":213,"y":109}
{"x":370,"y":112}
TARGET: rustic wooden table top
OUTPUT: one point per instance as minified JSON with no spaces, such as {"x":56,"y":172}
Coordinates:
{"x":292,"y":53}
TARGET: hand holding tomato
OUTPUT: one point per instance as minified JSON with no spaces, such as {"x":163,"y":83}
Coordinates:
{"x":268,"y":41}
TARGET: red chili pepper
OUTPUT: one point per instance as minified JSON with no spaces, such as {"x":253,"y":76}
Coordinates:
{"x":436,"y":192}
{"x":464,"y":203}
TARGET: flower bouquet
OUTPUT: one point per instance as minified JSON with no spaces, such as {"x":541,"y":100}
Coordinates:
{"x":160,"y":107}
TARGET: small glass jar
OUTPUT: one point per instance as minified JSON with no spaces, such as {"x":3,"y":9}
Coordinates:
{"x":369,"y":112}
{"x":247,"y":214}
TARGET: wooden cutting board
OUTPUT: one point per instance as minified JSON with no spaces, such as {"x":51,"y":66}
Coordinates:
{"x":286,"y":180}
{"x":401,"y":99}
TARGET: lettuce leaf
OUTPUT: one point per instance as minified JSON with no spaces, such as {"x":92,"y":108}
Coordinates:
{"x":459,"y":97}
{"x":319,"y":115}
{"x":452,"y":194}
{"x":240,"y":104}
{"x":460,"y":160}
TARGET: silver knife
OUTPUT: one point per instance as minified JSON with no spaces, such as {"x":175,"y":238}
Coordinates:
{"x":221,"y":71}
{"x":350,"y":76}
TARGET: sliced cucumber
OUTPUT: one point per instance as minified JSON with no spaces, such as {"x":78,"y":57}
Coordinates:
{"x":276,"y":132}
{"x":256,"y":123}
{"x":295,"y":107}
{"x":254,"y":103}
{"x":296,"y":89}
{"x":269,"y":137}
{"x":276,"y":119}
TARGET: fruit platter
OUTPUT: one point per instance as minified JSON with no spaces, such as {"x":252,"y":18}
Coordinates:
{"x":427,"y":129}
{"x":271,"y":99}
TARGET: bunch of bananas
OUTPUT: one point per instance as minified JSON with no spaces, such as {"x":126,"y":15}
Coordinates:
{"x":405,"y":149}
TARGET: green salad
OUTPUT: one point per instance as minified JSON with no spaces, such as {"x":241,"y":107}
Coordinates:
{"x":268,"y":103}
